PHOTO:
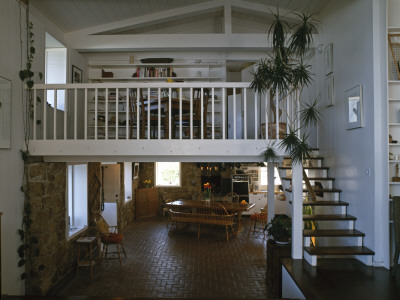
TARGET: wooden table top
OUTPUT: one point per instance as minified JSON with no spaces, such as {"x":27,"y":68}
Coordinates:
{"x":229,"y":206}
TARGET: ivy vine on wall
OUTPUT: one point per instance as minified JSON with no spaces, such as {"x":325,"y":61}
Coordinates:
{"x":29,"y":243}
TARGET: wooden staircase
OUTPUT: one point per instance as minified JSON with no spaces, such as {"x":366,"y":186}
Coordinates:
{"x":335,"y":234}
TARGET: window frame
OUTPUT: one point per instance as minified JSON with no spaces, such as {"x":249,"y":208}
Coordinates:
{"x":168,"y":186}
{"x":84,"y":228}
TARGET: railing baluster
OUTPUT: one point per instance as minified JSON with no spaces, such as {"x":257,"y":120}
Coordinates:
{"x":34,"y":125}
{"x":106,"y":116}
{"x":86,"y":114}
{"x":127,"y":114}
{"x":55,"y":116}
{"x":223,"y":113}
{"x":116,"y":114}
{"x":267,"y":108}
{"x":148,"y":113}
{"x":245,"y":113}
{"x":234,"y":113}
{"x":95,"y":112}
{"x":75,"y":113}
{"x":277,"y":114}
{"x":255,"y":116}
{"x":287,"y":111}
{"x":44,"y":114}
{"x":212,"y":114}
{"x":159,"y":114}
{"x":169,"y":112}
{"x":65,"y":114}
{"x":202,"y":114}
{"x":137,"y":113}
{"x":180,"y":113}
{"x":191,"y":113}
{"x":298,"y":111}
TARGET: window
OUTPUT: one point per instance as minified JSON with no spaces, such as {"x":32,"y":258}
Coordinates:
{"x":264,"y":177}
{"x":56,"y":69}
{"x":77,"y":197}
{"x":168,"y":174}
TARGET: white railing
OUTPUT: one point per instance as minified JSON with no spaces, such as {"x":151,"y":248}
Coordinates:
{"x":137,"y":111}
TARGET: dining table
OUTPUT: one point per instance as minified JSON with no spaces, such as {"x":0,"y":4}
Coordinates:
{"x":231,"y":207}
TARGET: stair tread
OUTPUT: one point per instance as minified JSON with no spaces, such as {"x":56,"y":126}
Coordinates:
{"x":325,"y":203}
{"x":306,"y":168}
{"x":328,"y":217}
{"x":320,"y":190}
{"x":312,"y":157}
{"x":333,"y":232}
{"x":348,"y":250}
{"x":311,"y":178}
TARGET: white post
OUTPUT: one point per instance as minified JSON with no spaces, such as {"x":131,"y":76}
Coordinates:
{"x":297,"y":211}
{"x":271,"y":191}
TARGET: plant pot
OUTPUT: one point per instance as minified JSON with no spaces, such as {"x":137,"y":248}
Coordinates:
{"x":272,"y":130}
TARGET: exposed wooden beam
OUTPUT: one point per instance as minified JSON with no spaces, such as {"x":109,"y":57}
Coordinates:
{"x":150,"y":19}
{"x":228,"y":19}
{"x":154,"y":42}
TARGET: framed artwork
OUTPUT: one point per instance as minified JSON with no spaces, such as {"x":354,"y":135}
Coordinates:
{"x":354,"y":111}
{"x":76,"y":74}
{"x":329,"y":95}
{"x":135,"y":171}
{"x":328,"y":59}
{"x":5,"y":113}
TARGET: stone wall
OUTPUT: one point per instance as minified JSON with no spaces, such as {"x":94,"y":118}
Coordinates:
{"x":190,"y":181}
{"x":48,"y":201}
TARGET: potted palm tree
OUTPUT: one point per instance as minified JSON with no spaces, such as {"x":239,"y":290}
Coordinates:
{"x":285,"y":72}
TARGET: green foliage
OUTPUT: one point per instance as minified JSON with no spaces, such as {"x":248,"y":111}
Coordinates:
{"x":310,"y":115}
{"x":269,"y":155}
{"x":303,"y":31}
{"x":27,"y":249}
{"x":280,"y":228}
{"x":297,"y":148}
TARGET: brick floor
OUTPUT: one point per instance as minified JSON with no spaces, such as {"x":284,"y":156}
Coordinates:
{"x":160,"y":265}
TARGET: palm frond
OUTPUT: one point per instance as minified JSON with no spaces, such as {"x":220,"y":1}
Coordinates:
{"x":269,"y":155}
{"x":303,"y":34}
{"x":310,"y":115}
{"x":278,"y":30}
{"x":302,"y":151}
{"x":301,"y":75}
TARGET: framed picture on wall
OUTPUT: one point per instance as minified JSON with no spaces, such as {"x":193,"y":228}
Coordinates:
{"x":328,"y":59}
{"x":354,"y":105}
{"x":135,"y":170}
{"x":76,"y":74}
{"x":329,"y":96}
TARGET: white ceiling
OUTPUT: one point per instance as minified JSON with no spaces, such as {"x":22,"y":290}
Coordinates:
{"x":73,"y":15}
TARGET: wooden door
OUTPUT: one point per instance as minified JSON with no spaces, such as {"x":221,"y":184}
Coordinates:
{"x":146,"y":202}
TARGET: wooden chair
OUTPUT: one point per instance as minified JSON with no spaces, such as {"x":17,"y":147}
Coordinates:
{"x":259,"y":218}
{"x":167,"y":197}
{"x":231,"y":197}
{"x":144,"y":115}
{"x":196,"y":116}
{"x":108,"y":236}
{"x":396,"y":225}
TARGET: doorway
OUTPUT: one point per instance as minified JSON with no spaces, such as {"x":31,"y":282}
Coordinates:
{"x":110,"y":193}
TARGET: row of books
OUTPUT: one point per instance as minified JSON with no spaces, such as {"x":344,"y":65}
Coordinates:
{"x":153,"y":72}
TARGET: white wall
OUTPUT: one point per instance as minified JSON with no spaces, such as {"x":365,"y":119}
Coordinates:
{"x":350,"y":153}
{"x":11,"y":165}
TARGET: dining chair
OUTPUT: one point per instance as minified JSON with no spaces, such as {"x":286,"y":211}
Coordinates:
{"x":144,"y":115}
{"x":198,"y":121}
{"x":231,"y":197}
{"x":259,"y":221}
{"x":167,"y":197}
{"x":108,"y":236}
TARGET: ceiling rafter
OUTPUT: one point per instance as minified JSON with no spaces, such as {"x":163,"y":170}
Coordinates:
{"x":262,"y":9}
{"x":150,"y":19}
